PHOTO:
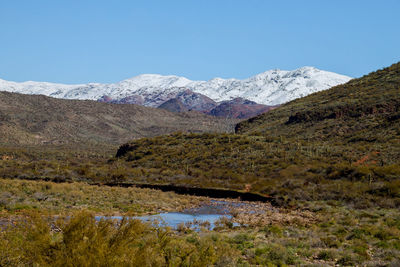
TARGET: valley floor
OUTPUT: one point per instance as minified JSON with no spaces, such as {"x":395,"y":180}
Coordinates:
{"x":320,"y":233}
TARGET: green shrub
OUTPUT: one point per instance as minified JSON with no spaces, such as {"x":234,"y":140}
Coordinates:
{"x":326,"y":255}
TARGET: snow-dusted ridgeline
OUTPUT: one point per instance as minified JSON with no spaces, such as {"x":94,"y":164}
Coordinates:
{"x":272,"y":87}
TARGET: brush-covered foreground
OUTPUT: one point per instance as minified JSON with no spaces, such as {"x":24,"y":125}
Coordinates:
{"x":323,"y":234}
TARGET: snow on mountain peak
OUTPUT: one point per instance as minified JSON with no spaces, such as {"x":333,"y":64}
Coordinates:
{"x":270,"y":88}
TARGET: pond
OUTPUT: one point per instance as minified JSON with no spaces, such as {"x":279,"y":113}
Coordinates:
{"x":206,"y":215}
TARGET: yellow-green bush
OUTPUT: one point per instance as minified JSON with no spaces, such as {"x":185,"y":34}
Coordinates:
{"x":81,"y":241}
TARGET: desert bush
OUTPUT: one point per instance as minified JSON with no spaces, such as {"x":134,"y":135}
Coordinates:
{"x":80,"y":240}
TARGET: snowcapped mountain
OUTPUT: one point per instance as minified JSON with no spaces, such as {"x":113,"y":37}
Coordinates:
{"x":272,"y":87}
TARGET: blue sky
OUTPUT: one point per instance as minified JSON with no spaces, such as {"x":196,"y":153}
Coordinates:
{"x":107,"y":41}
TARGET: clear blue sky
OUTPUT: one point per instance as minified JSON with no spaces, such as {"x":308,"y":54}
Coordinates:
{"x":81,"y":41}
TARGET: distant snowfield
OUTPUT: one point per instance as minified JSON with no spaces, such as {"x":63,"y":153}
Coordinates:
{"x":272,"y":87}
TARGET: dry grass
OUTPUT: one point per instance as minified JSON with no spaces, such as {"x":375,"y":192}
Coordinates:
{"x":61,"y":198}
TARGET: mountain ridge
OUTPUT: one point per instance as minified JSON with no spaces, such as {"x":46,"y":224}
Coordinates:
{"x":271,"y":87}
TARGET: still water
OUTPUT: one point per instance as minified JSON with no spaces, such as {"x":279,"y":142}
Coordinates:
{"x":204,"y":216}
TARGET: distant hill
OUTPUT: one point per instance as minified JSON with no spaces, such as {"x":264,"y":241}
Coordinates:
{"x":239,"y":108}
{"x":38,"y":119}
{"x":174,"y":105}
{"x":189,"y":100}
